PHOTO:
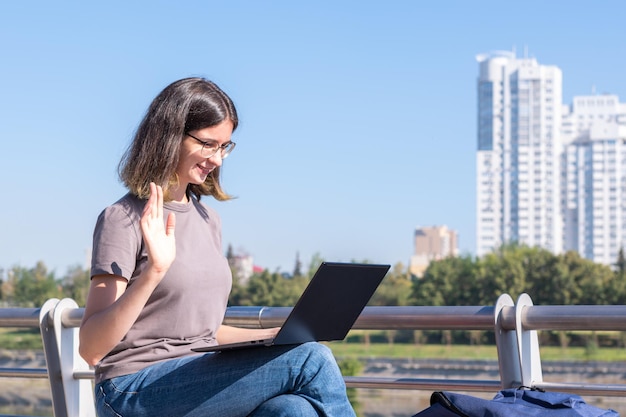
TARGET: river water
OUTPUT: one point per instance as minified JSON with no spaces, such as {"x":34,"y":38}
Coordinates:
{"x":32,"y":397}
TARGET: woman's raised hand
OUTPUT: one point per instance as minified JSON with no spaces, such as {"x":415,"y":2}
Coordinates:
{"x":157,"y":234}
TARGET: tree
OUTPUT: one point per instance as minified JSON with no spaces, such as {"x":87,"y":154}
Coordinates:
{"x":501,"y":272}
{"x":230,"y":254}
{"x":272,"y":290}
{"x":76,"y":283}
{"x":546,"y":275}
{"x":450,"y":281}
{"x":237,"y":292}
{"x":297,"y":269}
{"x":594,"y":284}
{"x":395,"y":289}
{"x":617,"y":287}
{"x":32,"y":287}
{"x":316,"y":260}
{"x":621,"y":261}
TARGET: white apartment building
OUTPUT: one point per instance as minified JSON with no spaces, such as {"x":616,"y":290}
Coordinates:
{"x":548,"y":175}
{"x":594,"y":192}
{"x":519,"y":145}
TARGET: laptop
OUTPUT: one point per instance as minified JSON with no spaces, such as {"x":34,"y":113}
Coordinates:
{"x":326,"y":310}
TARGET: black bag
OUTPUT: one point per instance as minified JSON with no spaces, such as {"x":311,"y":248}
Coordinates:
{"x":512,"y":402}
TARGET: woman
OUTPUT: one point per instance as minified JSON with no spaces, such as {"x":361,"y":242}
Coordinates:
{"x":160,"y":285}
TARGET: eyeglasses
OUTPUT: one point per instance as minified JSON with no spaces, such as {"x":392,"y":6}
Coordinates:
{"x":210,"y":148}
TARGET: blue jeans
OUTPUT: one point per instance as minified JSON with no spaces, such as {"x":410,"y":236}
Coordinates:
{"x":302,"y":380}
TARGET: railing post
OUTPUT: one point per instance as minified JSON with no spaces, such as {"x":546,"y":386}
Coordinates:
{"x":53,"y":357}
{"x":506,"y":343}
{"x":71,"y":397}
{"x":528,"y":345}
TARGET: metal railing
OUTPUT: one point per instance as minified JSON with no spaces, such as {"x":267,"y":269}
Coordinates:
{"x":515,"y":326}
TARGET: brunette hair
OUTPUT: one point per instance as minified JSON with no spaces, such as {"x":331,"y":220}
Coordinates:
{"x":185,"y":105}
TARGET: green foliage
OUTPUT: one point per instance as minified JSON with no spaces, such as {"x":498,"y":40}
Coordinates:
{"x":31,"y":287}
{"x":591,"y":348}
{"x":268,"y":289}
{"x":316,"y":260}
{"x":450,"y":281}
{"x":14,"y":339}
{"x":75,"y":284}
{"x":589,"y":352}
{"x":503,"y":271}
{"x":297,"y":269}
{"x":616,"y":288}
{"x":565,"y":279}
{"x":394,"y":290}
{"x":350,"y":366}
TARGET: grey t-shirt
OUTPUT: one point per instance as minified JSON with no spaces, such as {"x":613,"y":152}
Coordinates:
{"x":187,"y":307}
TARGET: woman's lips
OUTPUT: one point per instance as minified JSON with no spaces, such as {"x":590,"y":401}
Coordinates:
{"x":205,"y":170}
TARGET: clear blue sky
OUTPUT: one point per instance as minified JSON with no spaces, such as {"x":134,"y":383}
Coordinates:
{"x":358,"y":118}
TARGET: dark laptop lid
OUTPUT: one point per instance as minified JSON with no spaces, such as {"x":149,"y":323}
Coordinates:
{"x":332,"y":302}
{"x":326,"y":310}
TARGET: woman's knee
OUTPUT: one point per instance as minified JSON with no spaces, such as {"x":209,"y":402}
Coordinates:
{"x":318,"y":350}
{"x":286,"y":405}
{"x":321,"y":362}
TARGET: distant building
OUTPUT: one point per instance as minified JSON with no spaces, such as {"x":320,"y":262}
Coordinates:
{"x":594,"y":165}
{"x":518,"y":157}
{"x":242,"y":267}
{"x":432,"y":243}
{"x":547,"y":174}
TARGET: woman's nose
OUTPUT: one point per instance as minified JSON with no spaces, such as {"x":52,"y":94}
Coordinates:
{"x":216,"y":159}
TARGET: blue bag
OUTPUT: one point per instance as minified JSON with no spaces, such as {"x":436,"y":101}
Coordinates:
{"x":513,"y":402}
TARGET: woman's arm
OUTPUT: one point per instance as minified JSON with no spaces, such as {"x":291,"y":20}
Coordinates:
{"x":110,"y":312}
{"x":230,"y":334}
{"x":111,"y":307}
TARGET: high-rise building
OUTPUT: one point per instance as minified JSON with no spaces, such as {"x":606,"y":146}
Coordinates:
{"x":432,"y":243}
{"x":594,"y":169}
{"x":519,"y":144}
{"x":548,"y":175}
